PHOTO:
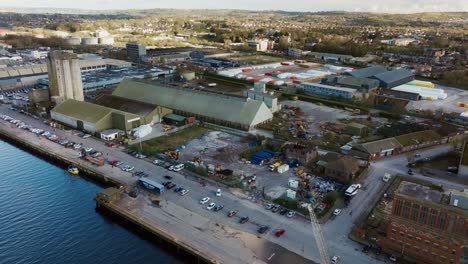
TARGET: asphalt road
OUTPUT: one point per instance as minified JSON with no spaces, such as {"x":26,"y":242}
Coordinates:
{"x":298,"y":237}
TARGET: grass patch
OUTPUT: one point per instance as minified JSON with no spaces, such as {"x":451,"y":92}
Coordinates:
{"x":160,"y":144}
{"x":200,"y":170}
{"x":291,"y":205}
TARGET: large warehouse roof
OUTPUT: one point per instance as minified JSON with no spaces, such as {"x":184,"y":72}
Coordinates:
{"x":126,"y":105}
{"x":393,"y":76}
{"x":221,"y":107}
{"x":87,"y":112}
{"x":368,"y":72}
{"x":84,"y":111}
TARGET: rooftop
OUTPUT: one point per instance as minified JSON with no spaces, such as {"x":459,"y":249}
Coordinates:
{"x":126,"y":105}
{"x":392,"y":76}
{"x":368,"y":72}
{"x":417,"y":137}
{"x":380,"y":145}
{"x":420,"y":192}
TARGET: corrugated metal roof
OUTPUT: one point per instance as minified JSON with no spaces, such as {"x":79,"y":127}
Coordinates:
{"x":368,"y":72}
{"x":84,"y":111}
{"x":392,"y":76}
{"x":236,"y":110}
{"x":126,"y":105}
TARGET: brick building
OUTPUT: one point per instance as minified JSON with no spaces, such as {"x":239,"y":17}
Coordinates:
{"x":427,"y":224}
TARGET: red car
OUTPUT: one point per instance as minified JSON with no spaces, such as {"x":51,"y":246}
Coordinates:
{"x":280,"y":232}
{"x":110,"y":145}
{"x":113,"y":162}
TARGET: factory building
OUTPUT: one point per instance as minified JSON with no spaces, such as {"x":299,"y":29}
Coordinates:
{"x":387,"y":79}
{"x":135,"y":51}
{"x":360,"y":84}
{"x":394,"y":78}
{"x":259,"y":93}
{"x":330,"y":57}
{"x":425,"y":224}
{"x":64,"y":76}
{"x":328,"y":91}
{"x":93,"y":118}
{"x":235,"y":112}
{"x":149,"y":113}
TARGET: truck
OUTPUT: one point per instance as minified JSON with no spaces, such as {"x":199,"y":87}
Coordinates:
{"x":274,"y":166}
{"x":283,"y":168}
{"x":96,"y":161}
{"x":151,"y":185}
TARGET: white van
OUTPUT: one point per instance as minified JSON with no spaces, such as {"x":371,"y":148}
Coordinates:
{"x":177,"y":167}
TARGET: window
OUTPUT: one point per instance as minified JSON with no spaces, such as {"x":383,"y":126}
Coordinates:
{"x":415,"y":212}
{"x":422,"y":218}
{"x":397,"y":209}
{"x":442,"y":220}
{"x":433,"y":217}
{"x":406,"y":209}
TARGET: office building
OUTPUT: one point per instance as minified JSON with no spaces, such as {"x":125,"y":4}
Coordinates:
{"x":135,"y":51}
{"x":328,"y":91}
{"x":64,"y":76}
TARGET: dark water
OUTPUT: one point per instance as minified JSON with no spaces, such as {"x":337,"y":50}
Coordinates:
{"x":48,"y":216}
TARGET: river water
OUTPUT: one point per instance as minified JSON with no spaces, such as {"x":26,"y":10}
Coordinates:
{"x":48,"y":216}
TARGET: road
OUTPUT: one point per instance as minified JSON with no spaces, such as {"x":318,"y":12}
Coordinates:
{"x":298,"y":238}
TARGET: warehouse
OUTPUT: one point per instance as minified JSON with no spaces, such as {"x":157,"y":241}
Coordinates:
{"x":376,"y":149}
{"x":93,"y":118}
{"x":328,"y":91}
{"x":367,"y":72}
{"x":351,"y":82}
{"x":391,"y":79}
{"x":236,"y":112}
{"x":149,"y":113}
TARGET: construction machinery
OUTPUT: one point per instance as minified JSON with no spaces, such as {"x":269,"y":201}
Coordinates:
{"x":173,"y":154}
{"x":274,"y":166}
{"x":318,"y":235}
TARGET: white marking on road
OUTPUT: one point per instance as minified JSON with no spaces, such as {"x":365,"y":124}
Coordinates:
{"x":272,"y":255}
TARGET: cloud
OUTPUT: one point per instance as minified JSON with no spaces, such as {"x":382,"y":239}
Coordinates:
{"x":393,"y":6}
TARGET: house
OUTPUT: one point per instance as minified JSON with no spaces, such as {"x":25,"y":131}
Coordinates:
{"x":110,"y":134}
{"x":304,"y":154}
{"x":357,"y":129}
{"x":420,"y":139}
{"x":342,"y":168}
{"x":376,"y":149}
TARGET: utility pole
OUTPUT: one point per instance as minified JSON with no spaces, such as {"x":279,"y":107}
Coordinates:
{"x":318,"y":235}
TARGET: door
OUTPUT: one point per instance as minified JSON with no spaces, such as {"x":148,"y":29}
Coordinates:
{"x":79,"y":125}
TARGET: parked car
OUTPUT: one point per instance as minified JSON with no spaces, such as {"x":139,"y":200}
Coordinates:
{"x":268,"y":206}
{"x":283,"y":211}
{"x":158,"y":162}
{"x":410,"y":172}
{"x":392,"y":258}
{"x":184,"y":192}
{"x":279,"y":232}
{"x":263,"y":229}
{"x":177,"y":167}
{"x":218,"y":192}
{"x":170,"y":186}
{"x":113,"y":162}
{"x":168,"y":177}
{"x":86,"y":136}
{"x":335,"y":260}
{"x":244,"y":219}
{"x":337,"y":211}
{"x":218,"y":208}
{"x":140,"y":156}
{"x":77,"y":146}
{"x":232,"y":213}
{"x":166,"y":183}
{"x":275,"y":208}
{"x":291,"y":214}
{"x":204,"y":200}
{"x":178,"y":189}
{"x":211,"y":206}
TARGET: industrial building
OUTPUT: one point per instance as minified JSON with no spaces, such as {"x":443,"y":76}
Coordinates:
{"x":93,"y":118}
{"x":149,"y":113}
{"x":64,"y":76}
{"x":387,"y":79}
{"x":365,"y":84}
{"x":261,"y":44}
{"x":422,"y":223}
{"x":22,"y":76}
{"x":394,"y":78}
{"x":294,"y":53}
{"x":108,"y":78}
{"x":236,"y":112}
{"x":259,"y":93}
{"x":135,"y":51}
{"x":328,"y":91}
{"x":330,"y":57}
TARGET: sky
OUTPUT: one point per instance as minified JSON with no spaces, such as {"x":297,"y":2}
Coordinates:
{"x":382,"y":6}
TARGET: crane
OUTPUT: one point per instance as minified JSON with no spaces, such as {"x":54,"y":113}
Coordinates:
{"x":318,"y":235}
